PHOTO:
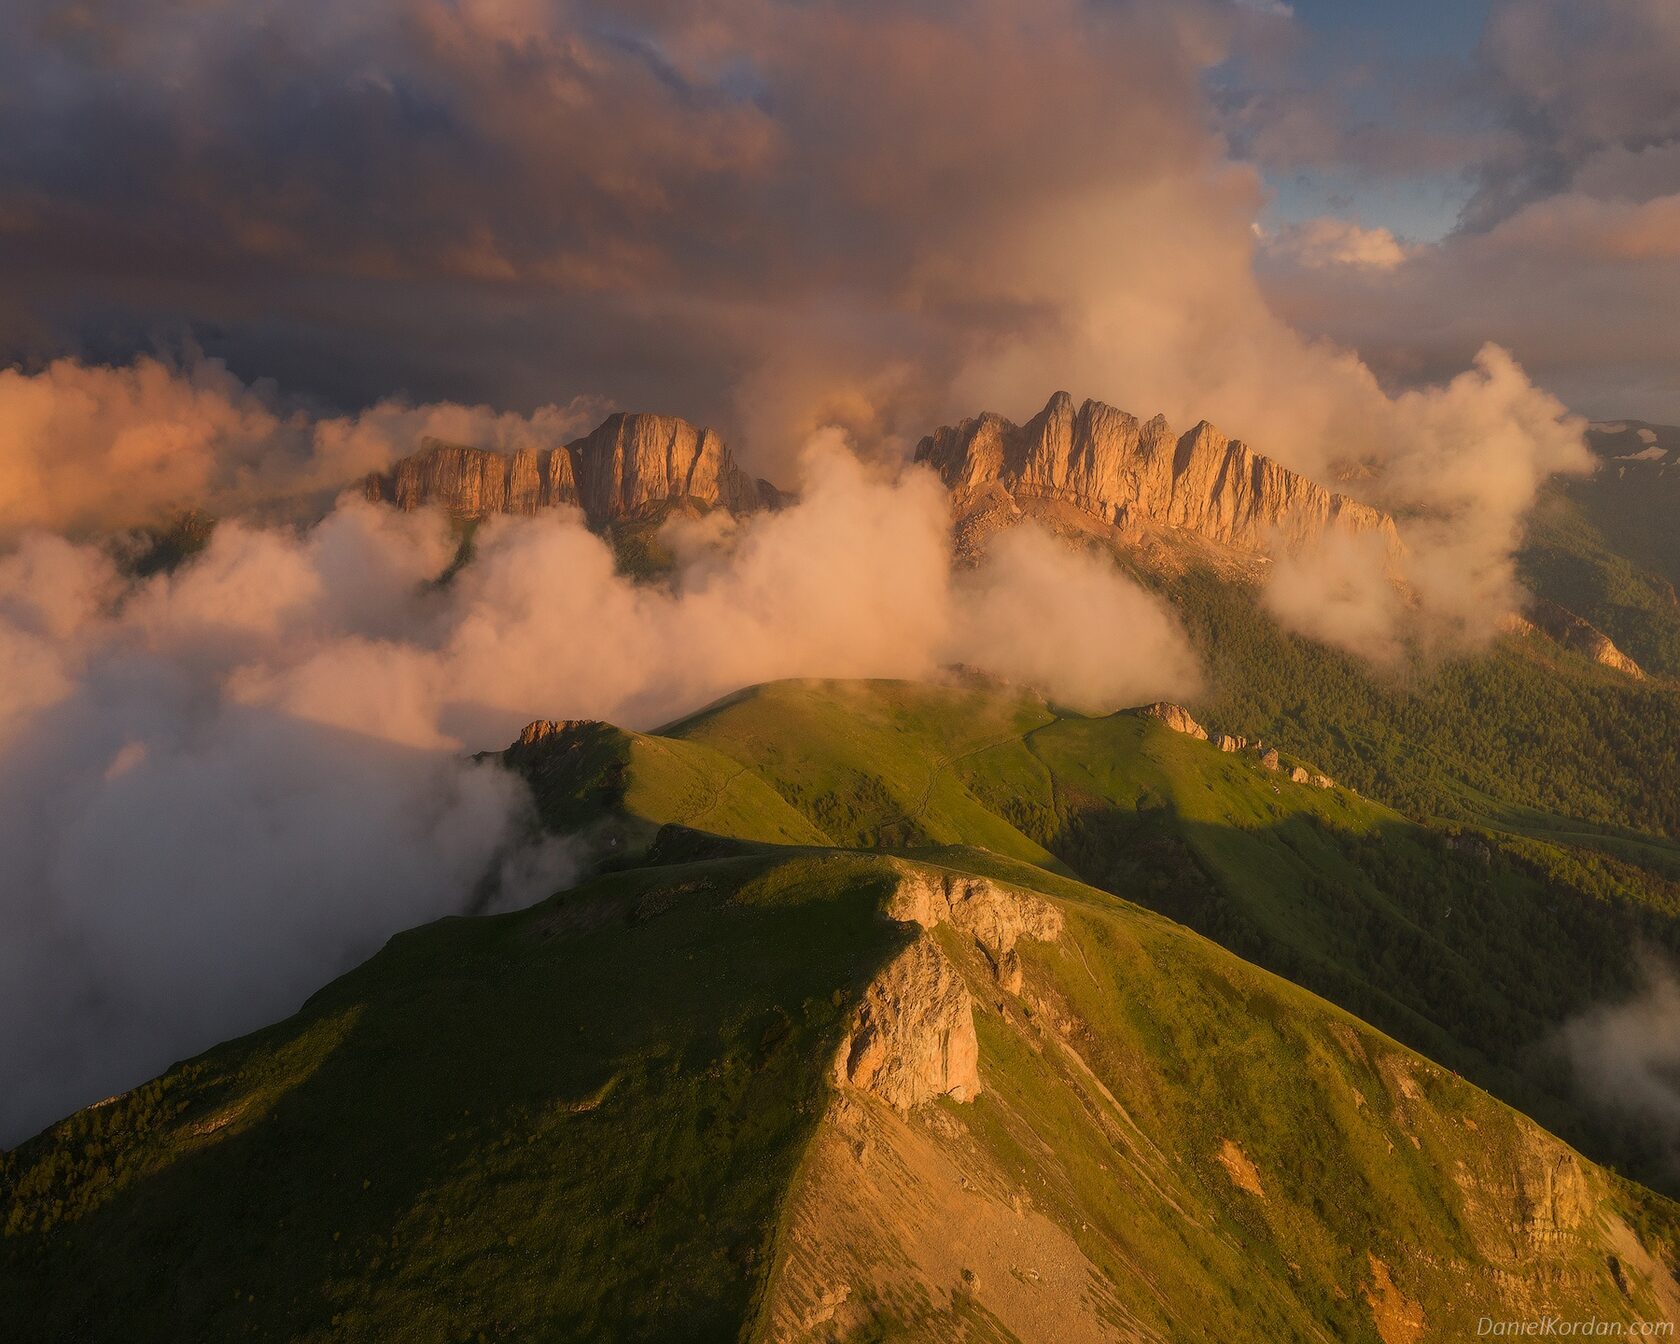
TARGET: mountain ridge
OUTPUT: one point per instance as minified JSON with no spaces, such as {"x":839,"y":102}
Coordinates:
{"x":811,"y":1092}
{"x":628,"y":464}
{"x":1134,"y":473}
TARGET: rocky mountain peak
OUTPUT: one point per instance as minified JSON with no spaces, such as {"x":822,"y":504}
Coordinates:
{"x":627,"y":465}
{"x":1134,"y":474}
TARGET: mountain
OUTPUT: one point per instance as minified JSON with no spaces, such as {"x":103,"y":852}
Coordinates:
{"x":627,"y":466}
{"x":761,"y":1079}
{"x":1633,"y":495}
{"x":1136,"y":475}
{"x":1605,"y":546}
{"x":1558,"y":623}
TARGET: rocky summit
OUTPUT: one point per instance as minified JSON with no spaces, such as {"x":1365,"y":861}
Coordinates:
{"x":627,"y":466}
{"x":1137,"y":474}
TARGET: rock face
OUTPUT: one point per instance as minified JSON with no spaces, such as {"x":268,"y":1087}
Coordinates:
{"x":630,"y":464}
{"x":996,"y":916}
{"x":1574,"y":632}
{"x":914,"y":1038}
{"x":1130,"y":472}
{"x":1178,"y":719}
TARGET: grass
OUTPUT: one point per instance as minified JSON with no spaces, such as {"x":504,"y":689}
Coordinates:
{"x":584,"y":1120}
{"x":581,"y":1117}
{"x":1474,"y":955}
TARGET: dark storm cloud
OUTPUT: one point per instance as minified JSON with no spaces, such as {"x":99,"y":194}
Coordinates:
{"x":1566,"y":249}
{"x":522,"y":201}
{"x":1582,"y":88}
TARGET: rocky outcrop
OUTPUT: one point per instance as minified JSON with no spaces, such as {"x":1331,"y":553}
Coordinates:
{"x":630,"y":464}
{"x":1177,"y":718}
{"x":913,"y":1040}
{"x":997,"y":917}
{"x":1130,"y":472}
{"x":1574,"y":632}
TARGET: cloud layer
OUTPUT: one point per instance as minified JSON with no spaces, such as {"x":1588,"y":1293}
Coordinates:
{"x":1626,"y":1058}
{"x":222,"y":786}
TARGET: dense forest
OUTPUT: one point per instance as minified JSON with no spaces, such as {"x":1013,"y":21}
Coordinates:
{"x":1524,"y":725}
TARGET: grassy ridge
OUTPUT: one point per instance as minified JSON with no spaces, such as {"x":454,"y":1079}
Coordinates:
{"x":578,"y":1120}
{"x":1472,"y":945}
{"x":598,"y":1118}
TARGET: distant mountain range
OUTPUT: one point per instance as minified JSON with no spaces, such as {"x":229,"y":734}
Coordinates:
{"x":1089,"y":464}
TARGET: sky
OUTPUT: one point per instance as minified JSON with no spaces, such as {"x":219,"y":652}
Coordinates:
{"x":771,"y":215}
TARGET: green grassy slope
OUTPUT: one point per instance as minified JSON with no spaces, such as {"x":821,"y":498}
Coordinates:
{"x":574,"y":1122}
{"x":1470,"y":945}
{"x":607,"y":1117}
{"x":617,"y":789}
{"x":1524,"y":726}
{"x":1117,"y":1089}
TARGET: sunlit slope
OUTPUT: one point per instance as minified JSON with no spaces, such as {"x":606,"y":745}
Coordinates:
{"x":614,"y":789}
{"x":879,"y":763}
{"x":618,"y":1116}
{"x":1468,"y":945}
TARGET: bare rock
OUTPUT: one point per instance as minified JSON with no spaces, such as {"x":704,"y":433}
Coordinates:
{"x":1323,"y":782}
{"x":627,"y":465}
{"x":1177,"y":718}
{"x":1299,"y":774}
{"x":995,"y":915}
{"x":1226,"y":742}
{"x":1472,"y":845}
{"x":1269,"y":759}
{"x":1124,"y":471}
{"x":1574,"y":632}
{"x":913,"y":1040}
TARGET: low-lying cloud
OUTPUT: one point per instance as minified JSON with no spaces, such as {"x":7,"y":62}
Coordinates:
{"x":1626,"y":1058}
{"x":221,"y":786}
{"x":88,"y":447}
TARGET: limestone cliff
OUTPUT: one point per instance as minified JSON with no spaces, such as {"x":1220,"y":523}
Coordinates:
{"x":629,"y":464}
{"x":1134,"y":473}
{"x":1575,"y":632}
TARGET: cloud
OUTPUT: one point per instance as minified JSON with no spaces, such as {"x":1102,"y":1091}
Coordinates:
{"x":87,"y":447}
{"x":1565,"y":250}
{"x":1573,"y":228}
{"x":1316,"y":243}
{"x":1626,"y":1058}
{"x":1071,"y":623}
{"x":1341,"y":591}
{"x":1577,"y":83}
{"x":765,"y":215}
{"x":221,"y":786}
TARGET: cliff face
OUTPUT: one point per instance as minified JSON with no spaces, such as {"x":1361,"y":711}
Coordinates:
{"x":627,"y":465}
{"x":1576,"y":632}
{"x":1127,"y":472}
